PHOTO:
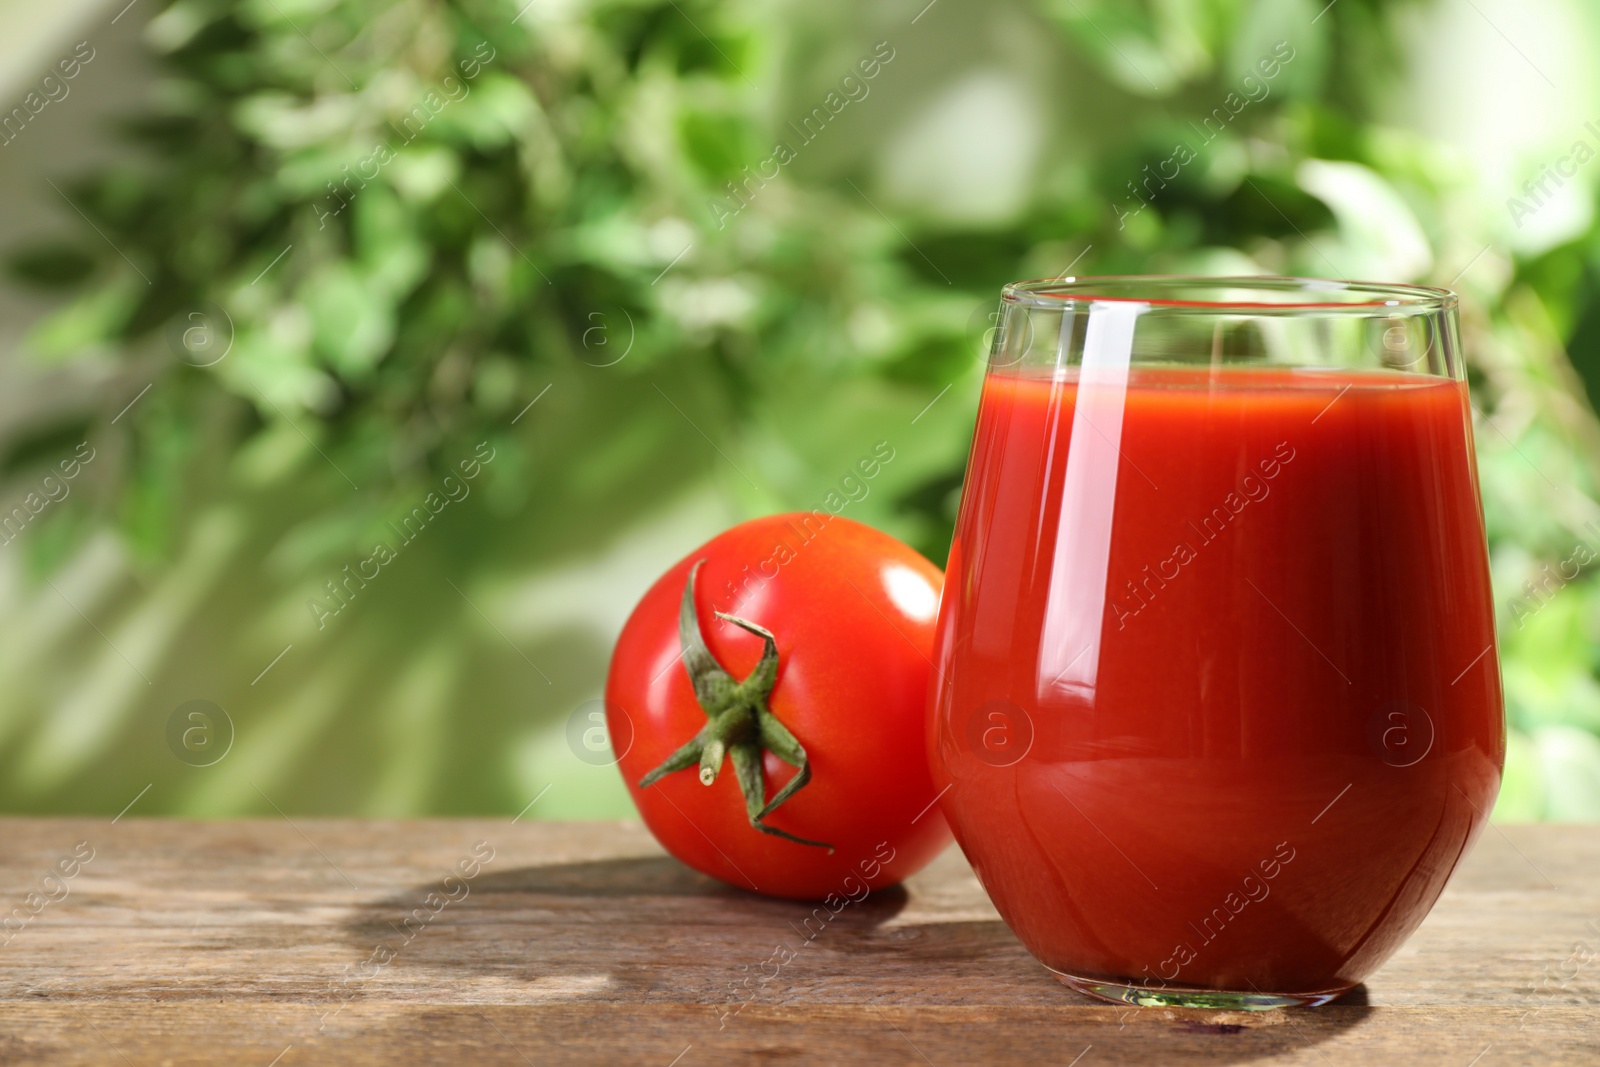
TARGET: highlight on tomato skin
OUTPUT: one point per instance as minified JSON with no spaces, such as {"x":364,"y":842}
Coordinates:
{"x":850,"y":613}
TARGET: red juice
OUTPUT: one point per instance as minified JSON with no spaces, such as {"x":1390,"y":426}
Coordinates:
{"x":1220,"y":705}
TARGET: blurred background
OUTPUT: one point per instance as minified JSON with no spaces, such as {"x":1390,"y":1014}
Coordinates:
{"x":275,"y":268}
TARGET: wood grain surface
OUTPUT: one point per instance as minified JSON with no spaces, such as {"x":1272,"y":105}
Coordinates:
{"x":314,"y":942}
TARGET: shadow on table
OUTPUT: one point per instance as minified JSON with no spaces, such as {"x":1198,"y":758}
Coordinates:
{"x":644,"y":923}
{"x":647,"y":933}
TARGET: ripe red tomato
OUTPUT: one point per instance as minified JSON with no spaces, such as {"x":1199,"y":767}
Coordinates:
{"x":851,"y":612}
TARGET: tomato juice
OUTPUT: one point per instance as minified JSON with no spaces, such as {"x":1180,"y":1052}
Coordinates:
{"x":1220,"y":706}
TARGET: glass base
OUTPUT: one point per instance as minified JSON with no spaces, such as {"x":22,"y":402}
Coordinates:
{"x":1173,"y":996}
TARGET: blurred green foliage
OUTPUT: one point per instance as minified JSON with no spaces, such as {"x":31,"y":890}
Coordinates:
{"x":405,"y":223}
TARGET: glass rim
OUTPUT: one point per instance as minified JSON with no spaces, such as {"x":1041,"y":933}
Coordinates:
{"x":1162,"y":293}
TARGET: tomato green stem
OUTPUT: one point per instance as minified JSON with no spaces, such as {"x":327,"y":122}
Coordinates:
{"x":752,"y":783}
{"x":740,"y":726}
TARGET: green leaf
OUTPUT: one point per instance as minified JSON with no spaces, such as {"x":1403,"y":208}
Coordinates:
{"x":1522,"y":788}
{"x":1570,"y":759}
{"x":50,"y":266}
{"x":352,"y":320}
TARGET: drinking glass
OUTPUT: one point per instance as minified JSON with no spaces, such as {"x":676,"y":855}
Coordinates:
{"x":1218,"y":707}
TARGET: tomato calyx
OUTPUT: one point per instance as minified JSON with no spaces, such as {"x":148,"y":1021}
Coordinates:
{"x":740,"y":723}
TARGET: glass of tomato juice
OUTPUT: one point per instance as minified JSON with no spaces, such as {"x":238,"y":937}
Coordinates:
{"x":1218,"y":707}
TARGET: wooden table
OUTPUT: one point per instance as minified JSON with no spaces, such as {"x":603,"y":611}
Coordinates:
{"x":266,"y":942}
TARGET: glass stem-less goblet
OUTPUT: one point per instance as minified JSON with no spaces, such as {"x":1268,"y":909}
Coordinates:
{"x":1219,"y":708}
